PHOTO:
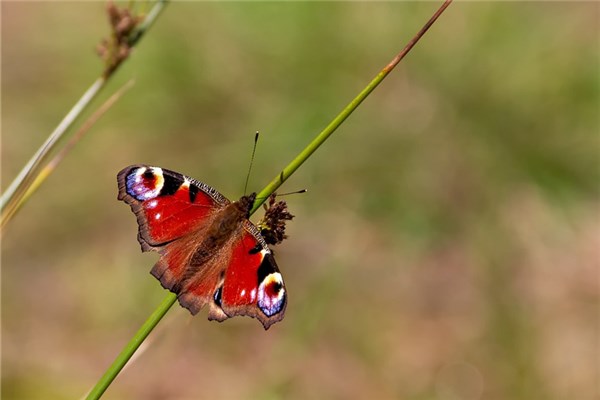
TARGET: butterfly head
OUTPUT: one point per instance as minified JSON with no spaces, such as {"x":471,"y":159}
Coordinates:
{"x":246,"y":203}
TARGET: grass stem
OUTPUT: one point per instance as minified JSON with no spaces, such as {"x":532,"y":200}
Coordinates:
{"x":170,"y":299}
{"x":131,"y":347}
{"x":11,"y":198}
{"x":341,"y":117}
{"x":20,"y":184}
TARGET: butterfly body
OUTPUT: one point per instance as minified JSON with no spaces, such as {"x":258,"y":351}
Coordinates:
{"x":211,"y":254}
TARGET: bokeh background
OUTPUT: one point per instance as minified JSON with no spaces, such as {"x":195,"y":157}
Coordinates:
{"x":447,"y":247}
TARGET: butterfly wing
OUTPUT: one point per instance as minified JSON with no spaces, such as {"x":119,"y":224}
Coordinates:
{"x":243,"y":280}
{"x":168,"y":205}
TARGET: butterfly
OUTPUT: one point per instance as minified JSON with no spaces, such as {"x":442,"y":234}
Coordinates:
{"x":210,"y":253}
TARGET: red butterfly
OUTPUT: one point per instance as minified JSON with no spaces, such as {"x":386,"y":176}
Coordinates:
{"x":210,"y":251}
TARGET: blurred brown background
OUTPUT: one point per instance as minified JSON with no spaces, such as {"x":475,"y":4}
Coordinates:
{"x":447,"y":247}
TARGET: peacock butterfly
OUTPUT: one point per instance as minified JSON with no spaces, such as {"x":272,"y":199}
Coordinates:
{"x":210,"y":252}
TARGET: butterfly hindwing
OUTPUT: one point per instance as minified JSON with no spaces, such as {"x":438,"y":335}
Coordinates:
{"x":253,"y":285}
{"x":168,"y":205}
{"x":244,"y":280}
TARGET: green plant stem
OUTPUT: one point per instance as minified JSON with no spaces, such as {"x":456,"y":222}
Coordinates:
{"x":131,"y":347}
{"x":147,"y":22}
{"x":21,"y":182}
{"x":140,"y":336}
{"x":64,"y":151}
{"x":341,"y":117}
{"x":12,"y":196}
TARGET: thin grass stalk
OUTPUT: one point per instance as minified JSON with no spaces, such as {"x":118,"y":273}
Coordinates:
{"x":131,"y":347}
{"x":12,"y":196}
{"x":41,"y":176}
{"x":21,"y":183}
{"x":341,"y":117}
{"x":170,"y":298}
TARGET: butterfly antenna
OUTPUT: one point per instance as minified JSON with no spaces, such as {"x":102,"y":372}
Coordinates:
{"x":251,"y":162}
{"x":286,"y":194}
{"x":294,"y":192}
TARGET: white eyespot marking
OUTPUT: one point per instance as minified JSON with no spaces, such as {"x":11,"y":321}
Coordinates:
{"x":271,"y":294}
{"x":243,"y":292}
{"x":157,"y":216}
{"x":145,"y":183}
{"x":152,"y":204}
{"x":253,"y":294}
{"x":157,"y":171}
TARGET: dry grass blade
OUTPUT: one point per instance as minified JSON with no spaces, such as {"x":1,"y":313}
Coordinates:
{"x":38,"y":179}
{"x":126,"y":31}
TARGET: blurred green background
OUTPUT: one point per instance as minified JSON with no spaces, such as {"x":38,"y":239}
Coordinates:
{"x":447,"y":247}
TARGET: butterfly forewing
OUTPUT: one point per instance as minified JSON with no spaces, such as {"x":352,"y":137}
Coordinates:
{"x":168,"y":205}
